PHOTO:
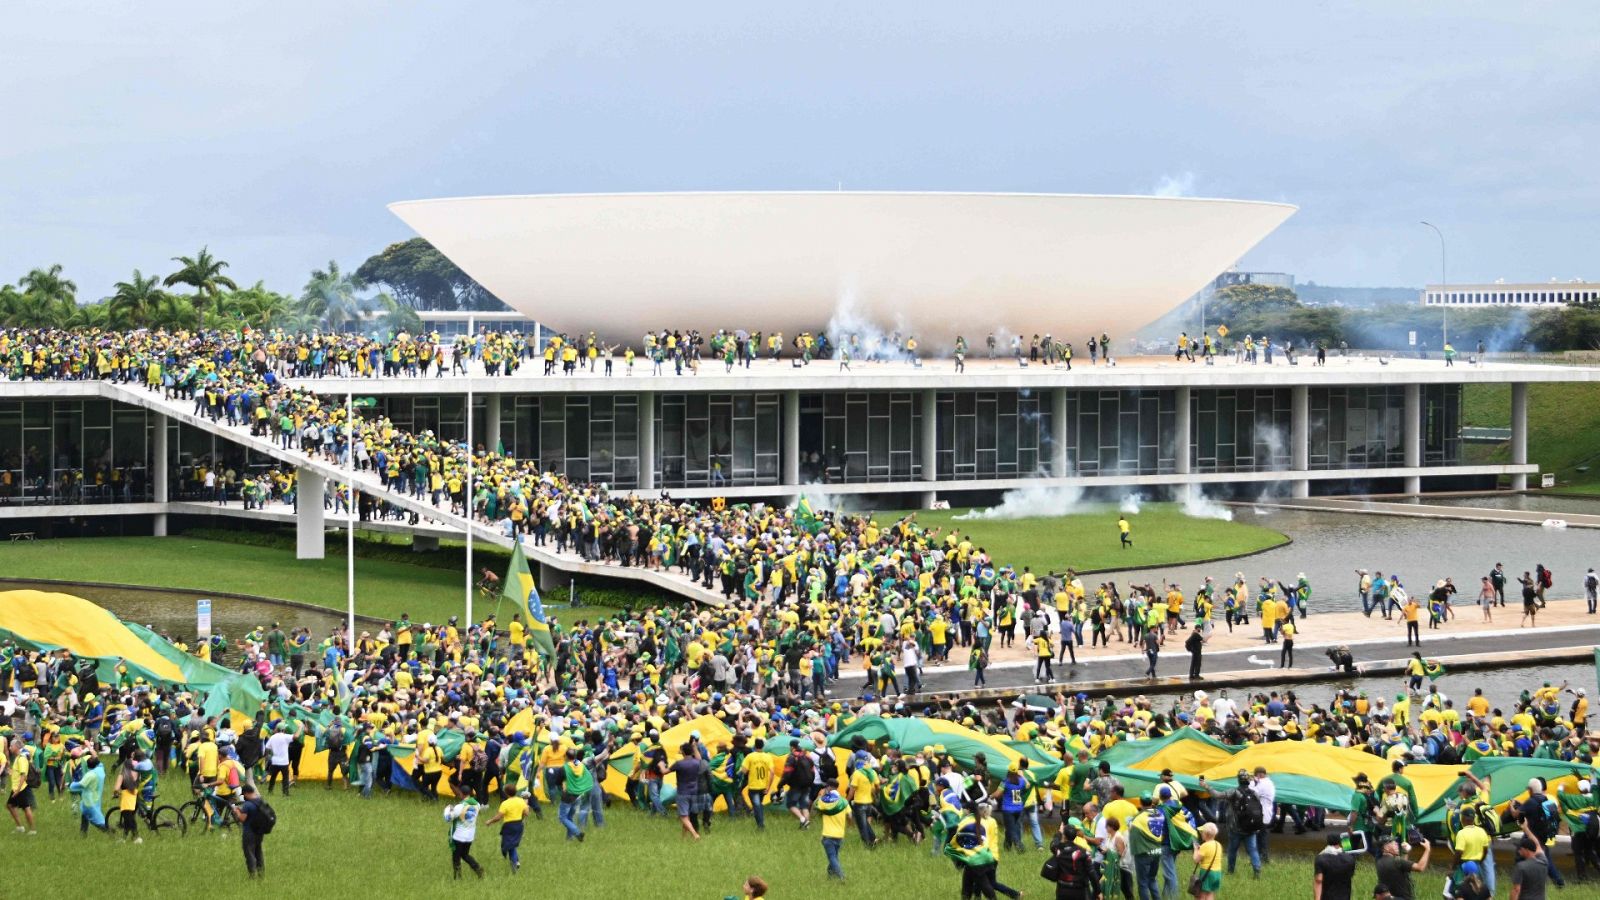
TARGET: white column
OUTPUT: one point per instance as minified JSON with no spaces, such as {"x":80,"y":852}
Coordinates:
{"x":159,"y":464}
{"x":1519,"y":432}
{"x":491,"y":421}
{"x":791,"y":438}
{"x":1412,"y":436}
{"x":309,"y":515}
{"x":647,"y":440}
{"x":1182,"y":427}
{"x":1058,"y":433}
{"x":930,"y":444}
{"x":1300,"y":438}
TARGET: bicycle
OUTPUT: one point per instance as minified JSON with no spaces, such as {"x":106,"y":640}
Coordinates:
{"x":162,"y":818}
{"x":198,"y":810}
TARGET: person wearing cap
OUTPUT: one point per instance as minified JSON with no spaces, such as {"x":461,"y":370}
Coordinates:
{"x":1539,"y":823}
{"x":1395,"y":867}
{"x":1530,"y":877}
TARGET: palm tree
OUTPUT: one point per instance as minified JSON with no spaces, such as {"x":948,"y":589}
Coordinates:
{"x":394,"y":316}
{"x":203,"y":273}
{"x":47,"y":300}
{"x":259,"y":306}
{"x":132,"y":302}
{"x":330,"y":298}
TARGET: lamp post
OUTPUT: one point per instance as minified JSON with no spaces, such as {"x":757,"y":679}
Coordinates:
{"x":1444,"y":282}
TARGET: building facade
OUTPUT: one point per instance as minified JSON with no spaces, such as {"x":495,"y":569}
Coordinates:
{"x":1537,"y":296}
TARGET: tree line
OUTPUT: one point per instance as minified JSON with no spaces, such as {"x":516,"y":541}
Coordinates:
{"x":383,"y":294}
{"x":1277,"y":312}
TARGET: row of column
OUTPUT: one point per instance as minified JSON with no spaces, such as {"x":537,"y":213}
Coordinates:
{"x":311,"y":519}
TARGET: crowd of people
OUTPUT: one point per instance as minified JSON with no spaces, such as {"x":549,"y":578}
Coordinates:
{"x":414,"y":686}
{"x":808,"y":595}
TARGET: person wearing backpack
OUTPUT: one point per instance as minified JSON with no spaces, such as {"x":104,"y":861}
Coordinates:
{"x":1242,"y":816}
{"x":1070,"y":868}
{"x":256,"y":821}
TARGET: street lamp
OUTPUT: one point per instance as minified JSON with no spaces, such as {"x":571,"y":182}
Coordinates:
{"x":1444,"y":282}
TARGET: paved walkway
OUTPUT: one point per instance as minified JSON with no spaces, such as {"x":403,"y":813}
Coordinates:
{"x":1563,"y":623}
{"x":368,"y":483}
{"x":1431,"y":511}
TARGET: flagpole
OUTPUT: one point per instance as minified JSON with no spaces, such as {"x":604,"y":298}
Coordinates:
{"x":467,"y":496}
{"x":350,"y":521}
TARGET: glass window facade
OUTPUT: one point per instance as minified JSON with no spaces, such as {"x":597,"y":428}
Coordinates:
{"x":1243,"y":430}
{"x":1356,"y":427}
{"x":708,"y":440}
{"x":861,"y":436}
{"x":1121,"y":432}
{"x":992,"y":434}
{"x":1441,"y":425}
{"x":73,"y":451}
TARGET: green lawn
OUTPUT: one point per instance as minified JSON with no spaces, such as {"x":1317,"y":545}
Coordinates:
{"x":384,"y":587}
{"x":336,"y":845}
{"x":1563,"y":420}
{"x":1087,"y":541}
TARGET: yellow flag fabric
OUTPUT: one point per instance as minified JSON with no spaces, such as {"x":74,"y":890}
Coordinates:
{"x":50,"y":621}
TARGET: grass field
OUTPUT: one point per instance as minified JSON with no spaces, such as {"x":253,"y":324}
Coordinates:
{"x":1563,"y":420}
{"x":332,"y":844}
{"x":1087,"y":541}
{"x":384,"y":587}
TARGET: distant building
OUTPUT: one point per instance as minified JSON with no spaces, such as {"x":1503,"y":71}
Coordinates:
{"x":1527,"y":295}
{"x":1271,"y":279}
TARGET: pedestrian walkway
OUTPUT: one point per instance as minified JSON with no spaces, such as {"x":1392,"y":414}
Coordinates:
{"x":369,"y":483}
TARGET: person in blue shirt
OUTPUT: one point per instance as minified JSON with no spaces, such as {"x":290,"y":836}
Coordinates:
{"x":89,"y":786}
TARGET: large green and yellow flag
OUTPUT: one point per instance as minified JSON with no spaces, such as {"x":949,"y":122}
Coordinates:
{"x":514,"y":588}
{"x":806,"y":518}
{"x":518,"y":587}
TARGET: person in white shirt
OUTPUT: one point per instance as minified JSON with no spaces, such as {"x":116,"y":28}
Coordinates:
{"x":1267,"y":793}
{"x":278,"y":757}
{"x":464,"y":819}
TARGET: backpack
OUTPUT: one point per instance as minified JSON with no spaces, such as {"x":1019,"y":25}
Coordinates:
{"x":269,"y":817}
{"x":33,"y":776}
{"x":164,"y":729}
{"x":335,"y":738}
{"x":480,"y":760}
{"x":1247,"y":811}
{"x":1591,"y":822}
{"x":1449,"y":755}
{"x":1545,"y":579}
{"x":1068,"y":868}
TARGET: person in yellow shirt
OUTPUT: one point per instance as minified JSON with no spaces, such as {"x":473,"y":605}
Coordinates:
{"x":128,"y":801}
{"x":834,"y":811}
{"x":757,"y":769}
{"x":863,"y":796}
{"x":513,"y":809}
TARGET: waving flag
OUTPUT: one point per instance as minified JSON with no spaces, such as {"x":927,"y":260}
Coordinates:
{"x":805,"y":518}
{"x":518,"y":582}
{"x":539,"y":626}
{"x":1432,"y":669}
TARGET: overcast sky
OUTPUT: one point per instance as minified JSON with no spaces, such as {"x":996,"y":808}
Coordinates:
{"x":276,"y":131}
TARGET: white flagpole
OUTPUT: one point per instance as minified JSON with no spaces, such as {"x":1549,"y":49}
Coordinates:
{"x":467,"y":496}
{"x":350,"y":521}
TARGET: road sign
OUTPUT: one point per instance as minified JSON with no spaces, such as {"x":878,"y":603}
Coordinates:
{"x":202,"y":617}
{"x":1413,"y":338}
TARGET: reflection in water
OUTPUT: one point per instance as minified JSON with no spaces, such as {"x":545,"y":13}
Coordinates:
{"x":1501,"y":686}
{"x":173,"y":612}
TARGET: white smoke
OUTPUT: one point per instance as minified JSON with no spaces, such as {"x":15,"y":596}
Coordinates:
{"x":1179,"y":185}
{"x":1131,"y":503}
{"x":1030,"y":502}
{"x":1197,"y":505}
{"x":867,"y":338}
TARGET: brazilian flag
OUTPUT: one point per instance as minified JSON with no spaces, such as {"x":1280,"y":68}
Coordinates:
{"x":805,"y":518}
{"x":518,"y":587}
{"x":967,"y":844}
{"x":1432,"y":669}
